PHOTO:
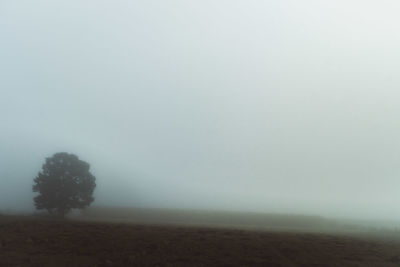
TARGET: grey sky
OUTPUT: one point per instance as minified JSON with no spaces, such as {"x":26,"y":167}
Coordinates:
{"x":287,"y":106}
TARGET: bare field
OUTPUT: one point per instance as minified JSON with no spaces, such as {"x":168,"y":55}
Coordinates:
{"x":26,"y":241}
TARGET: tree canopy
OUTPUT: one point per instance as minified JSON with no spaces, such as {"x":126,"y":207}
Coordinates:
{"x":64,"y":183}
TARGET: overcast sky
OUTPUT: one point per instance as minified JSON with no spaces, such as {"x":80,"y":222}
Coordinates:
{"x":280,"y":105}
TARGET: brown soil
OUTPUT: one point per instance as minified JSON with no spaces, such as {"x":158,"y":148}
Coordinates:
{"x":68,"y":243}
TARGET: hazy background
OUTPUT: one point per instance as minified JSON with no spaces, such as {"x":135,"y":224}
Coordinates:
{"x":282,"y":105}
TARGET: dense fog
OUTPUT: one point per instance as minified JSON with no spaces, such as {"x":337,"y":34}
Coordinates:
{"x":270,"y":106}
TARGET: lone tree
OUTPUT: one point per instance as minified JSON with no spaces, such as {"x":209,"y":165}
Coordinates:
{"x":64,"y":183}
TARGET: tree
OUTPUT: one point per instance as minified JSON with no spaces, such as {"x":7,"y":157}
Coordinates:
{"x":64,"y":183}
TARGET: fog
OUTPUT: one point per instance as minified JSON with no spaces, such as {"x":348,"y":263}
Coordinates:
{"x":269,"y":106}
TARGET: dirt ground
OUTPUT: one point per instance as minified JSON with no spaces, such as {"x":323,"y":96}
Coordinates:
{"x":33,"y":242}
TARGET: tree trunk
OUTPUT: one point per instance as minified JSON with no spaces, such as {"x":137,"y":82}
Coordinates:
{"x":61,"y":213}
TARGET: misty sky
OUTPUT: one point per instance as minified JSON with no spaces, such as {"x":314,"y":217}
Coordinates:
{"x":280,"y":105}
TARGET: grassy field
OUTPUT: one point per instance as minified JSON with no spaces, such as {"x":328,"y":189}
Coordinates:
{"x":243,"y":220}
{"x":38,"y":241}
{"x":238,"y":220}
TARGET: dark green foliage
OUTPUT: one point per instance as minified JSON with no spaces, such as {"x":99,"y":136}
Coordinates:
{"x":64,"y":183}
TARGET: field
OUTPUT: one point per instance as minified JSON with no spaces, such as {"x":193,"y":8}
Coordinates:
{"x":33,"y":241}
